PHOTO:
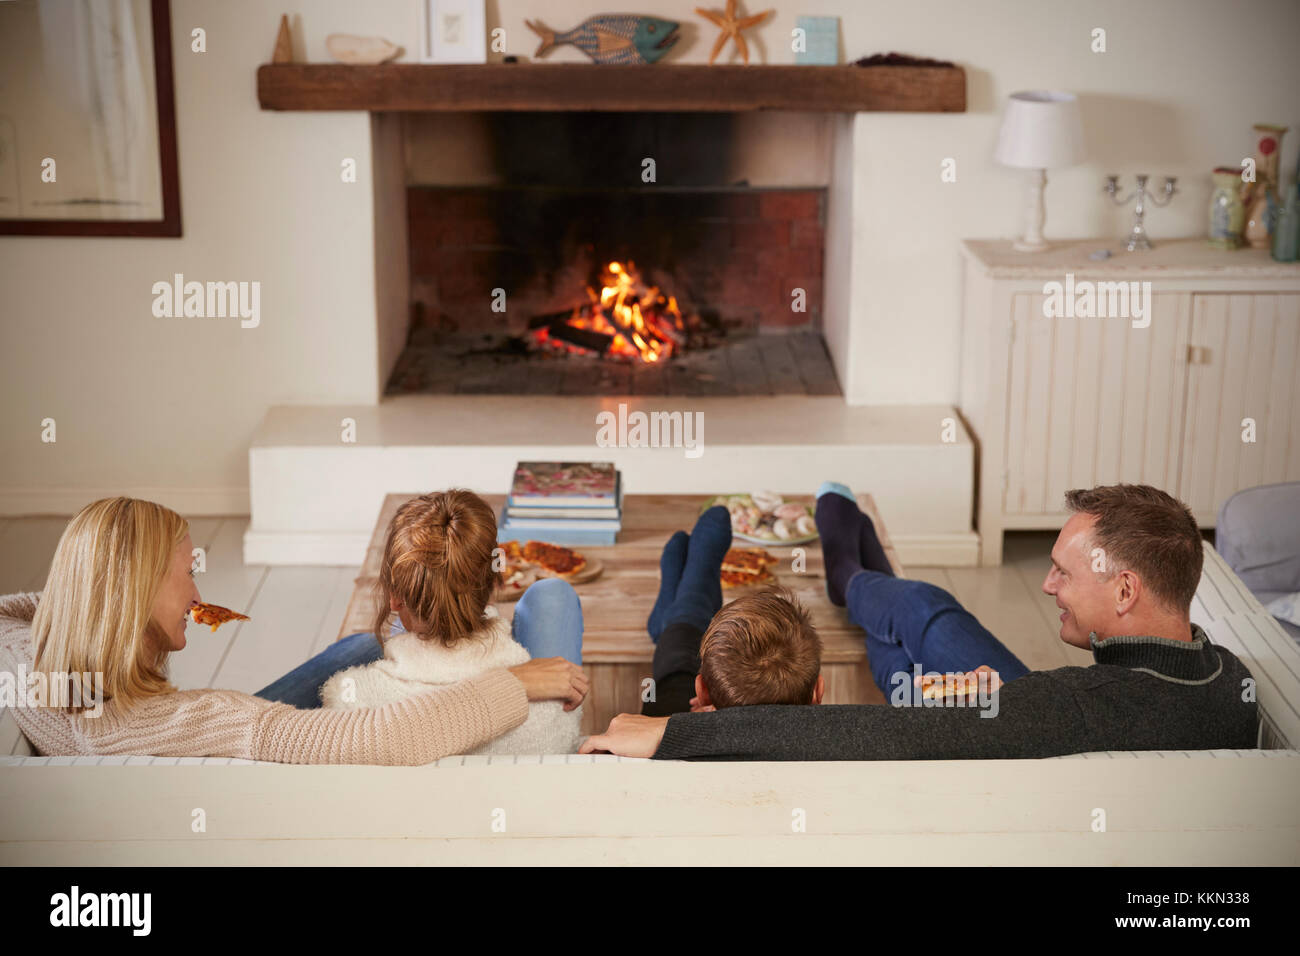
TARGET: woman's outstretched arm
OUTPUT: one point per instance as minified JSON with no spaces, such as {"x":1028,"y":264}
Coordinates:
{"x":415,"y":730}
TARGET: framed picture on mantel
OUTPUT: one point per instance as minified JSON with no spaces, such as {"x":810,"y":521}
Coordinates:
{"x":455,"y":31}
{"x":87,"y":120}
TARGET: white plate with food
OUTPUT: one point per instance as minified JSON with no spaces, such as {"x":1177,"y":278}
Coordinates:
{"x":764,"y":517}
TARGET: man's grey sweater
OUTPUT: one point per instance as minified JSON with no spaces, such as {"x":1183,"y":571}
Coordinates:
{"x":1143,"y":693}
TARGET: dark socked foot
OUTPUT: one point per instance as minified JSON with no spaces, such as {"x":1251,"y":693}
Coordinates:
{"x":671,"y":563}
{"x":839,"y":522}
{"x":870,"y":551}
{"x":699,"y":593}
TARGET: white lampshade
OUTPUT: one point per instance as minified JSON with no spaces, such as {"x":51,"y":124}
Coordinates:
{"x":1041,"y":130}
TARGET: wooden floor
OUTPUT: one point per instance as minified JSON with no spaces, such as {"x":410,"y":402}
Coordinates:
{"x":297,"y":611}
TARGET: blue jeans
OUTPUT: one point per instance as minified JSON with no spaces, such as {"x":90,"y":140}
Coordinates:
{"x":548,"y":623}
{"x":910,"y":623}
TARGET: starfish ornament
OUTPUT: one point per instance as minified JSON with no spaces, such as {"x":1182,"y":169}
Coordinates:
{"x":731,"y":25}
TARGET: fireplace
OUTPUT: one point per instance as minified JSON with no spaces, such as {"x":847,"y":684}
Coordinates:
{"x":552,"y":278}
{"x":456,"y":193}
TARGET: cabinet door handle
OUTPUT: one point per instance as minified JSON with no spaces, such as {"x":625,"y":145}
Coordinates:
{"x":1198,"y":355}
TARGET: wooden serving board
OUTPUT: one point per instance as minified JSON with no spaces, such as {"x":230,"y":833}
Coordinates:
{"x":616,"y":649}
{"x":592,"y":570}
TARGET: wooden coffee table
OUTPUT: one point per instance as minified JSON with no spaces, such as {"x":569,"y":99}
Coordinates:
{"x":616,"y":650}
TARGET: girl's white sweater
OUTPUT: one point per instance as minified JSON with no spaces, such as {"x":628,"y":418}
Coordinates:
{"x":412,"y":665}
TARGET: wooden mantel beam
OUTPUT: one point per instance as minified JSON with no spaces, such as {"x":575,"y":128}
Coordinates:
{"x":398,"y":87}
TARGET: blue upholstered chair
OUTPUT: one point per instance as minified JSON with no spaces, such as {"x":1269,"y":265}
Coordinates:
{"x":1258,"y":535}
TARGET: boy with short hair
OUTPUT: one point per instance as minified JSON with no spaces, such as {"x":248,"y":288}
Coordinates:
{"x":760,"y":649}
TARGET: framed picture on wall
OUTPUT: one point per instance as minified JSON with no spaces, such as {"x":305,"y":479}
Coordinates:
{"x":87,"y":120}
{"x":455,"y":31}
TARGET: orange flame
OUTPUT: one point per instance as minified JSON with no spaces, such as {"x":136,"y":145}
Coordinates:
{"x":640,"y":319}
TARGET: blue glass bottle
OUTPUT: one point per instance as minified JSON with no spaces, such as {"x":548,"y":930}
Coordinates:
{"x":1286,"y":228}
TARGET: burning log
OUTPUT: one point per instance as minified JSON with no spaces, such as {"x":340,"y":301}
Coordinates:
{"x":627,"y":318}
{"x":598,"y":342}
{"x":550,"y":318}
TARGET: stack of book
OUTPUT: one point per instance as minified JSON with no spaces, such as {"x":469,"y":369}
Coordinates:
{"x":563,"y":502}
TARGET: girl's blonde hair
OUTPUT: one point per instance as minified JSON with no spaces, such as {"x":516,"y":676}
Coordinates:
{"x":438,"y":562}
{"x":95,"y":616}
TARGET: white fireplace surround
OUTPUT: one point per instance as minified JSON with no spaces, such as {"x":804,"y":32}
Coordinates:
{"x":314,"y":494}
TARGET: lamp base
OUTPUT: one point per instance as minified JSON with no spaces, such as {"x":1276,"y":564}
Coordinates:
{"x":1029,"y":245}
{"x":1035,"y":214}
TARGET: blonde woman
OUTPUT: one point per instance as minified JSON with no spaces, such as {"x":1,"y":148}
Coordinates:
{"x":115,"y":607}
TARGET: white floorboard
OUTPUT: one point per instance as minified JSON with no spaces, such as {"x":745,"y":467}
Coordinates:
{"x":340,"y":592}
{"x":229,"y":582}
{"x":1004,"y":603}
{"x":288,"y":614}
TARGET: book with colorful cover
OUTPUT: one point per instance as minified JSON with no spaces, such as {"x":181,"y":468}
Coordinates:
{"x":564,"y":484}
{"x":569,"y":539}
{"x":588,"y":511}
{"x":547,"y":525}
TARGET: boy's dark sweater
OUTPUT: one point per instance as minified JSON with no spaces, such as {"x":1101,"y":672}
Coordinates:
{"x":1143,"y":693}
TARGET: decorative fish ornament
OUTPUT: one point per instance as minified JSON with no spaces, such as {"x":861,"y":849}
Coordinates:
{"x":613,"y":37}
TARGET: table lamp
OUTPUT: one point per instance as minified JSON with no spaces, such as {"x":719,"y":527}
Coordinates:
{"x":1041,"y":130}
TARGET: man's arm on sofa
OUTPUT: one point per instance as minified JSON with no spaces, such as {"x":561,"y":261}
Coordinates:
{"x":1034,"y":718}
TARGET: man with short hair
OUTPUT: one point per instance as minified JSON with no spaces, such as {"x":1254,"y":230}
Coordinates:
{"x":1124,"y":570}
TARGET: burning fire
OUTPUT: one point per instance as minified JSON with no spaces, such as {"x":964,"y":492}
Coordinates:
{"x":630,"y":319}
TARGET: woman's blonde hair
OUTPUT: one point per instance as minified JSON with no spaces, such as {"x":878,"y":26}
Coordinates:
{"x":95,"y":616}
{"x":438,"y":562}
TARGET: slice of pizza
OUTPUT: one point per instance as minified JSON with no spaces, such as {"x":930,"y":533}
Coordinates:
{"x":948,"y":685}
{"x":554,"y":559}
{"x":215,"y":615}
{"x":743,"y":567}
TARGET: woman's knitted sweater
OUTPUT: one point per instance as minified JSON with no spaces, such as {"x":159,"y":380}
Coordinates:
{"x":222,"y":723}
{"x":411,"y":665}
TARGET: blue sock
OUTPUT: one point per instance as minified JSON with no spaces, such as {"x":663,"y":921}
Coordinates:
{"x":699,"y":593}
{"x":838,"y":523}
{"x":671,"y":563}
{"x":839,"y":489}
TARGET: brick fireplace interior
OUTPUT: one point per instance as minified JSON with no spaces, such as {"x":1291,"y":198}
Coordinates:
{"x":557,"y":268}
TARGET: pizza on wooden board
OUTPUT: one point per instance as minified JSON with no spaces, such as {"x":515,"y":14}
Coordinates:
{"x":743,"y":567}
{"x":527,"y":562}
{"x":214,"y":615}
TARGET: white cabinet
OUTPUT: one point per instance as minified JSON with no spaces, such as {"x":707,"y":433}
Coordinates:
{"x":1242,"y":421}
{"x":1200,"y":396}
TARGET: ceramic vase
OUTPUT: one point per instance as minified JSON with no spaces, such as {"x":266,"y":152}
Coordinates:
{"x":1227,"y":212}
{"x":1261,"y":204}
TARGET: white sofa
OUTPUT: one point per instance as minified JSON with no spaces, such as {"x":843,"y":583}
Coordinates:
{"x":1116,"y":808}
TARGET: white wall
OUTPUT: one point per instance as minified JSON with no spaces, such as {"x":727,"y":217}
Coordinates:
{"x":1176,"y":94}
{"x":165,"y":408}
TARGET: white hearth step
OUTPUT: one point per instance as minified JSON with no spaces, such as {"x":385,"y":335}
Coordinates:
{"x":319,"y":473}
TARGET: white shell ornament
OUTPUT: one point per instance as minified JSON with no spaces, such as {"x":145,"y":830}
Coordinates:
{"x":347,"y":48}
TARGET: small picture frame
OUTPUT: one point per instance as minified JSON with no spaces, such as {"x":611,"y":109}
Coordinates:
{"x":821,"y":41}
{"x":455,"y":31}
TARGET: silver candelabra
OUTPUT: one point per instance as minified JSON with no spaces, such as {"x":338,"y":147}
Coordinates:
{"x":1137,"y":239}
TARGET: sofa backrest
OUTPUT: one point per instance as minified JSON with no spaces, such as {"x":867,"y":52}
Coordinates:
{"x":1234,"y":619}
{"x":12,"y":741}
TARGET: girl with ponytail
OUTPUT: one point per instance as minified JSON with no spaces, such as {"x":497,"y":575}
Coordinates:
{"x":437,"y":576}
